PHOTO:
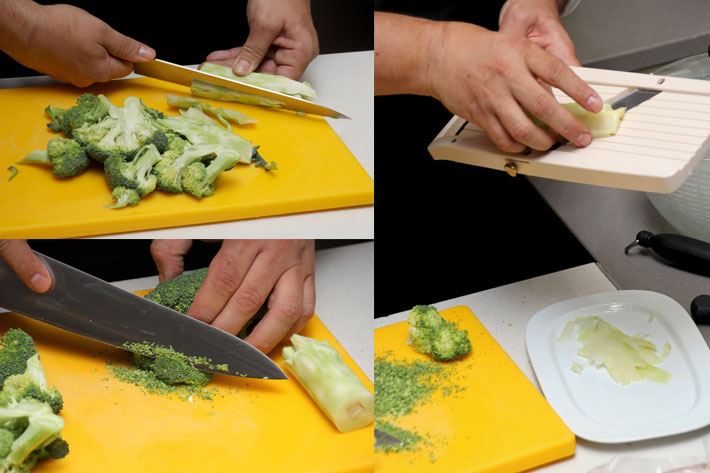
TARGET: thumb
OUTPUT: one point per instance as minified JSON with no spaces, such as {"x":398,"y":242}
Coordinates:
{"x":168,"y":257}
{"x":28,"y":267}
{"x":126,"y":48}
{"x":252,"y":53}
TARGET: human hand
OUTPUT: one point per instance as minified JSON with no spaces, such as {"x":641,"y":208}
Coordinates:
{"x":73,"y":46}
{"x":282,"y":40}
{"x":539,"y":21}
{"x":28,"y":267}
{"x":241,"y":277}
{"x":494,"y":79}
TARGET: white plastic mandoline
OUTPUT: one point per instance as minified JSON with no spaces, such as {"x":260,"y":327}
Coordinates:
{"x":657,"y":146}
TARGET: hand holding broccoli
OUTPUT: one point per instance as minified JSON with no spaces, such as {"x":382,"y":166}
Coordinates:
{"x":282,"y":40}
{"x":28,"y":267}
{"x":67,"y":43}
{"x":241,"y":277}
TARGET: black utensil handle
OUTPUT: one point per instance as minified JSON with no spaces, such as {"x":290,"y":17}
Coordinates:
{"x":700,"y":310}
{"x":684,"y":252}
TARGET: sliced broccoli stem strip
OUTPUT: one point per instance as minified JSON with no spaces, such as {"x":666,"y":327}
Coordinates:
{"x":331,"y":383}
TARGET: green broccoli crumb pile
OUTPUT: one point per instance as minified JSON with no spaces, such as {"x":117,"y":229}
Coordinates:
{"x":402,"y":386}
{"x":162,"y":370}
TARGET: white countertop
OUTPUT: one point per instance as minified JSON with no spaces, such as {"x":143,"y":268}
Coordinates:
{"x":344,"y":297}
{"x":505,"y":311}
{"x":344,"y":81}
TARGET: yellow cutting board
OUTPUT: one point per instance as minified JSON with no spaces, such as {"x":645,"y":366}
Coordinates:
{"x":498,"y":424}
{"x":316,"y":171}
{"x":251,"y":426}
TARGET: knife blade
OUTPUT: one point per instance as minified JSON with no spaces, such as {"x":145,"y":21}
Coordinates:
{"x":175,"y":73}
{"x":86,"y":305}
{"x":632,"y":97}
{"x":383,"y":440}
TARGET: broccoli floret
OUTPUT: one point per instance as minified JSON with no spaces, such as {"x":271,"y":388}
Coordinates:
{"x":124,"y":197}
{"x":178,"y":293}
{"x":17,"y":348}
{"x":198,"y":179}
{"x":431,"y":334}
{"x":89,"y":109}
{"x":135,"y":174}
{"x":174,"y":368}
{"x":260,"y":162}
{"x":29,"y":425}
{"x":121,"y":133}
{"x":55,"y":114}
{"x":66,"y":157}
{"x":205,"y":141}
{"x":160,"y":140}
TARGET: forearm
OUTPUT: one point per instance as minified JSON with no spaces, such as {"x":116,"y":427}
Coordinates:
{"x":16,"y":24}
{"x":404,"y":51}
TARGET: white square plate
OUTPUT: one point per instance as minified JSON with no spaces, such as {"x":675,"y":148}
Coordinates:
{"x":595,"y":407}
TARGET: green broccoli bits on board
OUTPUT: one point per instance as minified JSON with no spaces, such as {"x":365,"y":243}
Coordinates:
{"x":431,"y":334}
{"x":30,"y":429}
{"x":162,"y":370}
{"x":142,"y":149}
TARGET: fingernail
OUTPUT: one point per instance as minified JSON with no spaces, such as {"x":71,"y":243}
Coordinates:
{"x":242,"y":67}
{"x":145,"y":52}
{"x":594,"y":103}
{"x":40,"y":282}
{"x":583,"y":139}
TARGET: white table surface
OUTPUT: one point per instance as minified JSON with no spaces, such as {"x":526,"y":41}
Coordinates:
{"x":505,"y":311}
{"x":344,"y":297}
{"x":344,"y":81}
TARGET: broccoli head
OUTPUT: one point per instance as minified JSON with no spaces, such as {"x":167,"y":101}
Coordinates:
{"x":121,"y":133}
{"x":431,"y":334}
{"x":29,"y":425}
{"x":178,"y":293}
{"x":17,"y":348}
{"x":198,"y":179}
{"x":135,"y":174}
{"x":89,"y":109}
{"x":175,"y":368}
{"x":66,"y":157}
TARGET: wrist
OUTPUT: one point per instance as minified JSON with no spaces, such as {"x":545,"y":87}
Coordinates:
{"x":18,"y":23}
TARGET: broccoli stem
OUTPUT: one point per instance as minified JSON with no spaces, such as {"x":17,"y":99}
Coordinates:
{"x":331,"y":383}
{"x":37,"y":157}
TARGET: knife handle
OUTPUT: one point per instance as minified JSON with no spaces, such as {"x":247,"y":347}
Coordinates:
{"x":683,"y":252}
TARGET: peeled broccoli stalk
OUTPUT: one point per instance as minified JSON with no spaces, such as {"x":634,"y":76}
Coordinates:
{"x":272,"y":82}
{"x":29,"y":427}
{"x":601,"y":125}
{"x":224,"y":115}
{"x":65,"y":156}
{"x":124,"y":197}
{"x":431,"y":334}
{"x":135,"y":174}
{"x":215,"y":92}
{"x":322,"y":372}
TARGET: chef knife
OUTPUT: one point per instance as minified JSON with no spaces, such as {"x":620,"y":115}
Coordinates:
{"x":86,"y":305}
{"x":170,"y":72}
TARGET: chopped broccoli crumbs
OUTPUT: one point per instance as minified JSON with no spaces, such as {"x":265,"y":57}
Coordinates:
{"x":403,"y":386}
{"x":162,"y":370}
